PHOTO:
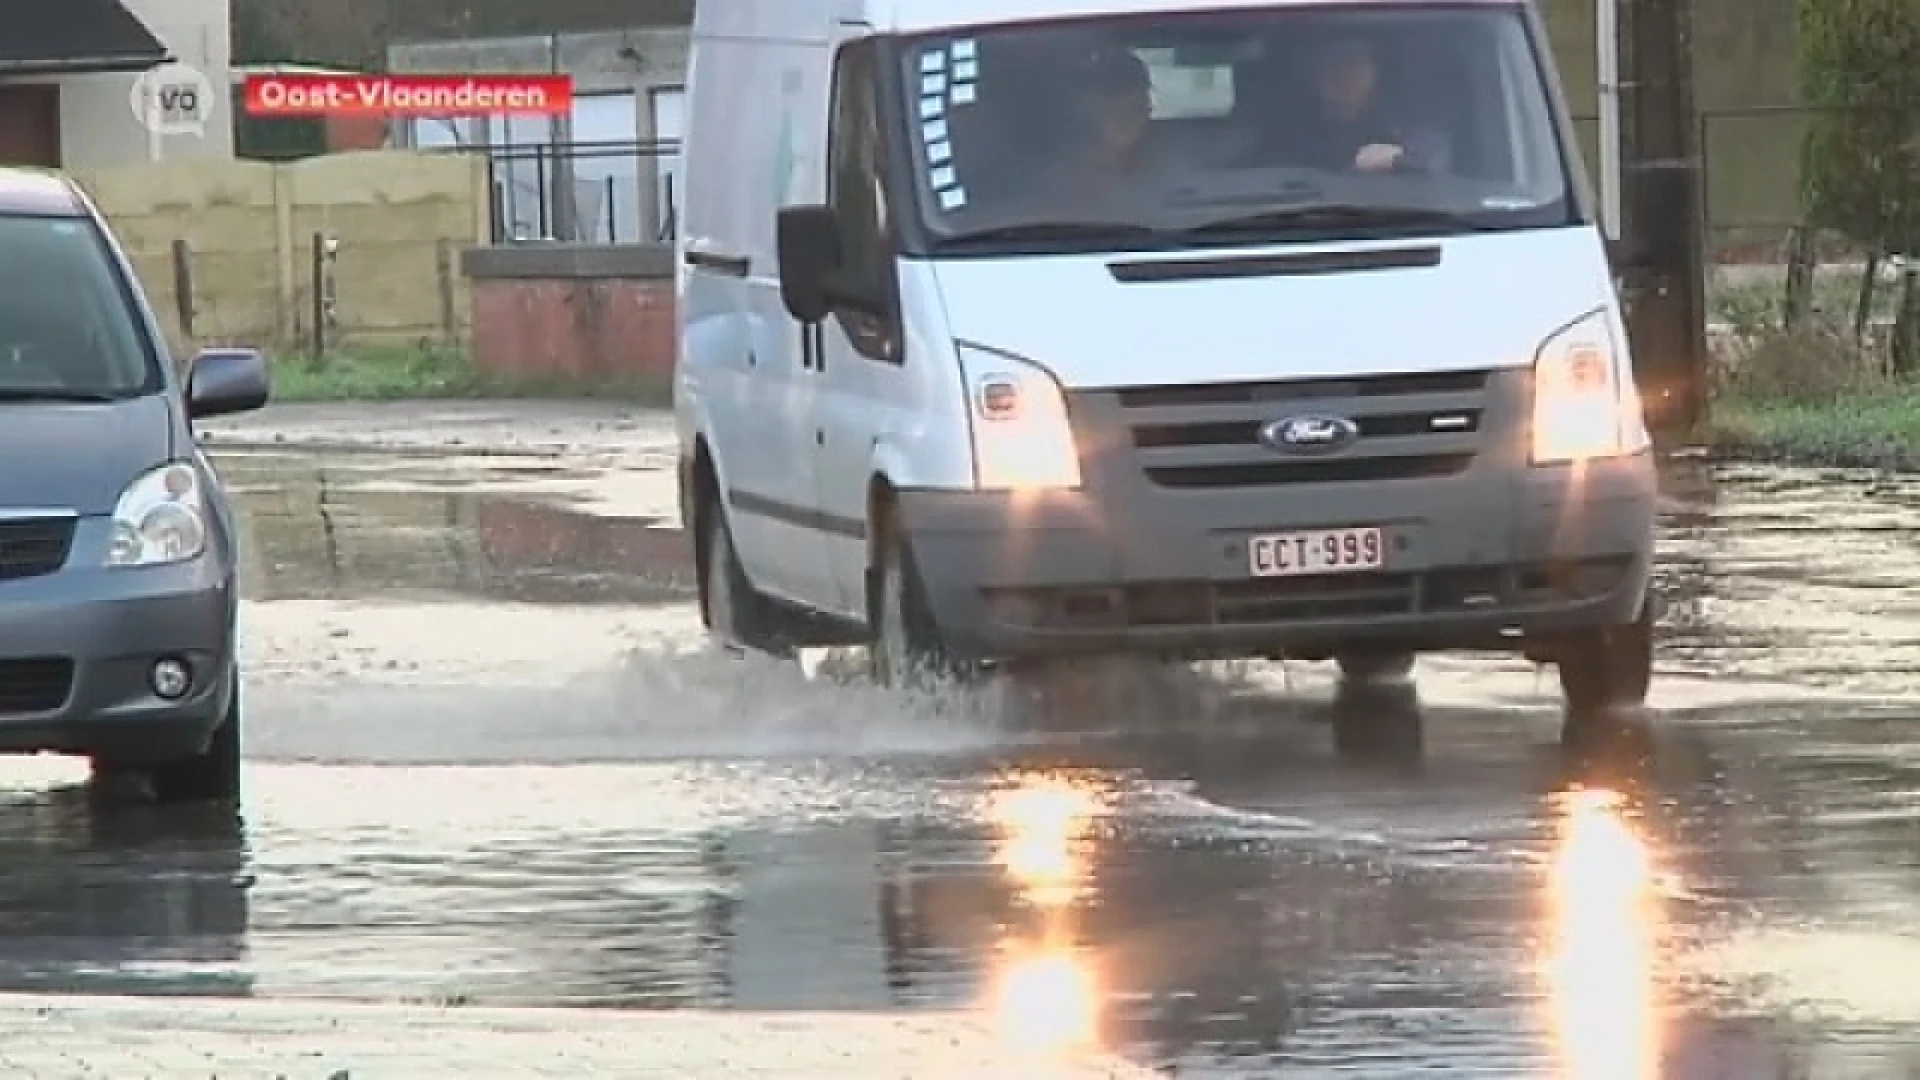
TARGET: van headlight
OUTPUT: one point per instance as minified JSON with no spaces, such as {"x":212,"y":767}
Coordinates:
{"x":1585,"y":403}
{"x":161,"y":518}
{"x":1022,"y":438}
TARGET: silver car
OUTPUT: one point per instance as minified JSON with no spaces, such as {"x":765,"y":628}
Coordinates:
{"x":118,"y":586}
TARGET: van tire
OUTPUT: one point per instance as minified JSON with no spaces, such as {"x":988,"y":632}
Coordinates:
{"x":905,"y":651}
{"x":1375,"y":667}
{"x":1608,"y":668}
{"x":733,"y":611}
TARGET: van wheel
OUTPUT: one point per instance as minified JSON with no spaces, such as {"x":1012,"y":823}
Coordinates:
{"x":1375,"y":667}
{"x":736,"y":614}
{"x":1608,"y":668}
{"x":906,"y":652}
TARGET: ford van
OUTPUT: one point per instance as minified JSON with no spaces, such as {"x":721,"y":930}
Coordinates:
{"x":1022,"y":329}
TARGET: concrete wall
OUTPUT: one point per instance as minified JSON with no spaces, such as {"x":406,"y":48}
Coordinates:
{"x":400,"y":219}
{"x":1746,"y":83}
{"x":98,"y":124}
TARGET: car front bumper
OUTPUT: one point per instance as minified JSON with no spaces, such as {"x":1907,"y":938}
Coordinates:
{"x":78,"y":646}
{"x":1487,"y":559}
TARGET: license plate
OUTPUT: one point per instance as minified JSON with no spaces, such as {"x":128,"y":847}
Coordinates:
{"x":1322,"y":551}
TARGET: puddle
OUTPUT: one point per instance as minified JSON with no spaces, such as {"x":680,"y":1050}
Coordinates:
{"x":348,"y":527}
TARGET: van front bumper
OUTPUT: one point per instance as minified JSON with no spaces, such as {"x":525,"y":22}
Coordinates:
{"x":77,"y":650}
{"x":1487,"y":559}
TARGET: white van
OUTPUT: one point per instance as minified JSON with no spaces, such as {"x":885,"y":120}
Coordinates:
{"x":1017,"y":329}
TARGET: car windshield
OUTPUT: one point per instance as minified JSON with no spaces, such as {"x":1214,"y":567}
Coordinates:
{"x":1233,"y":126}
{"x":67,"y":326}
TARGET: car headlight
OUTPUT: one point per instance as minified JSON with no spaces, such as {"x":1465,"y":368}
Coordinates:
{"x":1585,"y":403}
{"x":161,"y":518}
{"x":1022,"y":437}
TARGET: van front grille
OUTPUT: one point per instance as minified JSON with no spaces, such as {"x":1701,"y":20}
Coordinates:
{"x":1411,"y":427}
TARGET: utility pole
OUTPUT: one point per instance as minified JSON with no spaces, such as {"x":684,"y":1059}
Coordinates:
{"x":1662,"y":215}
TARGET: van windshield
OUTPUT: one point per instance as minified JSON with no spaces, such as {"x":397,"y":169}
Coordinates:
{"x":68,"y":330}
{"x":1279,"y":123}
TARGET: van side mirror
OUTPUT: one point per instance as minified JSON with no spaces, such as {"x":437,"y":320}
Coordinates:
{"x":808,"y":242}
{"x":225,"y":381}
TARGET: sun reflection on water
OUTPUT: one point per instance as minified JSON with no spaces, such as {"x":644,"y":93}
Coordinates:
{"x":1604,"y":942}
{"x":1045,"y":996}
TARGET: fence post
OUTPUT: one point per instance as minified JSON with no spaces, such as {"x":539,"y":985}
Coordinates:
{"x":325,"y":314}
{"x":1797,"y":304}
{"x":183,"y":298}
{"x":443,"y":270}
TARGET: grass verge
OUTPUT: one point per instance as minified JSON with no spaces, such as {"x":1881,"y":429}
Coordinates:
{"x":1820,"y":394}
{"x":1878,"y":430}
{"x":401,"y":372}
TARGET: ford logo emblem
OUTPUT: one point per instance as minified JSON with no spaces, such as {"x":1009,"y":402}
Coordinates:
{"x":1309,"y":435}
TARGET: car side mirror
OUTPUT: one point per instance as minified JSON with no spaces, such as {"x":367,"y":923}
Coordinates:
{"x":808,"y":241}
{"x":225,"y":381}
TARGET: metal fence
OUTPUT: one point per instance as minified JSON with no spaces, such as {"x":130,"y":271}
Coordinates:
{"x":583,"y":193}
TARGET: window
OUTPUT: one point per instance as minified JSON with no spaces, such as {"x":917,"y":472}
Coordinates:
{"x":1188,"y":88}
{"x":669,"y":132}
{"x":605,"y":169}
{"x":67,"y":324}
{"x":1148,"y":126}
{"x":867,"y":288}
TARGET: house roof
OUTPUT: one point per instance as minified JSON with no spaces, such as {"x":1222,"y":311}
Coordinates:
{"x":72,"y":36}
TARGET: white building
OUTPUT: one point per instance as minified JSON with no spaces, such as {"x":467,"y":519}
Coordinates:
{"x":68,"y":79}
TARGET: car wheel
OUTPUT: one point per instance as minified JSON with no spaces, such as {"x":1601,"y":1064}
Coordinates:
{"x":1375,"y":667}
{"x":905,"y":652}
{"x":732,"y":610}
{"x":1609,"y":668}
{"x":210,"y":776}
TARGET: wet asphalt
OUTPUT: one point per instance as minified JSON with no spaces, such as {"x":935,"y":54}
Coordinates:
{"x":492,"y":762}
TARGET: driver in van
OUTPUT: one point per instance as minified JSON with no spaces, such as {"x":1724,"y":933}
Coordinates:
{"x":1109,"y":140}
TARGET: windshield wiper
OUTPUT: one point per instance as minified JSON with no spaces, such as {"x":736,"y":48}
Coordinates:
{"x":1334,"y":215}
{"x":1049,"y":231}
{"x":56,"y":393}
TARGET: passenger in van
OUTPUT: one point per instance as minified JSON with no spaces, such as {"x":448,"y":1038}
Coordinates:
{"x":1347,"y":126}
{"x":1110,"y":148}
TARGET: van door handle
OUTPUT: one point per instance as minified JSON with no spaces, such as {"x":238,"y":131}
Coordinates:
{"x":729,"y":265}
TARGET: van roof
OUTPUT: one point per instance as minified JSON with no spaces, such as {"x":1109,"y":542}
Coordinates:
{"x":797,"y":18}
{"x":38,"y":191}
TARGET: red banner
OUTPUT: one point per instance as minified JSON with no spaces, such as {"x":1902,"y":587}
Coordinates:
{"x":407,"y":95}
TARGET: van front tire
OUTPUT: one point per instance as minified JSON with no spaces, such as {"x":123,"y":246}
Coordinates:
{"x":733,"y":611}
{"x":906,"y":652}
{"x":1608,"y":668}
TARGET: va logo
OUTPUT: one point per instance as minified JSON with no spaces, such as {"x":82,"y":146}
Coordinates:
{"x":173,"y":99}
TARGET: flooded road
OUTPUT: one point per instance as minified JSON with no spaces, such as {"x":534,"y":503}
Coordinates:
{"x":492,"y":763}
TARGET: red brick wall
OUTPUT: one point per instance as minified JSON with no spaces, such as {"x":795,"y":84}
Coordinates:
{"x":596,"y":328}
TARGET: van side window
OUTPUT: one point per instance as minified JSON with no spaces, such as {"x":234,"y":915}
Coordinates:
{"x":868,"y":306}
